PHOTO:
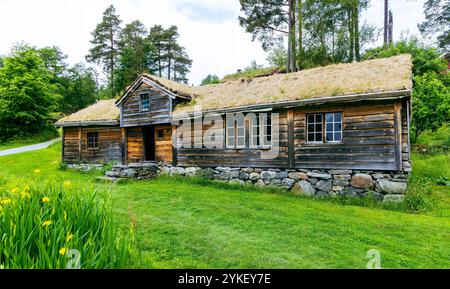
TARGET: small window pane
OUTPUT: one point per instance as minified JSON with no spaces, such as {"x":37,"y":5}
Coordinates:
{"x":310,"y":118}
{"x":318,"y":118}
{"x":319,"y":127}
{"x":329,"y":136}
{"x":333,"y":127}
{"x":329,"y":117}
{"x":338,"y":117}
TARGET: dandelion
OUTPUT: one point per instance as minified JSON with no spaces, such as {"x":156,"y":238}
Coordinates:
{"x":67,"y":184}
{"x":63,"y":251}
{"x":37,"y":171}
{"x":5,"y":202}
{"x":46,"y":200}
{"x":24,"y":195}
{"x":69,"y":237}
{"x":47,"y":223}
{"x":14,"y":190}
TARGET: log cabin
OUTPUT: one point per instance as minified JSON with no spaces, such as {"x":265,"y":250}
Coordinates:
{"x":349,"y":117}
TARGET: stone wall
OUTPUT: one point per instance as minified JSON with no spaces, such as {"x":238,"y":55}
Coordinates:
{"x":385,"y":186}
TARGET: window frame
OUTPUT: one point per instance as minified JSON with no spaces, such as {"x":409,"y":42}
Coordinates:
{"x":141,"y":109}
{"x":333,"y":122}
{"x":315,"y":123}
{"x":324,"y":128}
{"x":248,"y":132}
{"x":95,"y":145}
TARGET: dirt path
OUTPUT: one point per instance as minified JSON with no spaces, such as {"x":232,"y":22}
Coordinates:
{"x":29,"y":148}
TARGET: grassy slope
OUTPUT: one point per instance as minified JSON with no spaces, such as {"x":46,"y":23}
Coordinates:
{"x":45,"y":136}
{"x":183,"y":224}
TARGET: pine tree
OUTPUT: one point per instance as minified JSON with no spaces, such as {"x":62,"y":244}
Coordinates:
{"x":105,"y":41}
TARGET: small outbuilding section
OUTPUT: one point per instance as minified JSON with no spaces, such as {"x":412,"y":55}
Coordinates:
{"x":92,"y":135}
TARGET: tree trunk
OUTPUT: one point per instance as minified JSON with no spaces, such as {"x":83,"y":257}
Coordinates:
{"x":300,"y":34}
{"x":111,"y":61}
{"x":352,"y":34}
{"x":356,"y":24}
{"x":386,"y":24}
{"x":292,"y":35}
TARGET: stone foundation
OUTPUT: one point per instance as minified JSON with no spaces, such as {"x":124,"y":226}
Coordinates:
{"x":385,"y":186}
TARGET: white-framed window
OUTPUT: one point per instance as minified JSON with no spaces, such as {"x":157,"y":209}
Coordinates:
{"x":266,"y":130}
{"x":231,"y":132}
{"x":255,"y":131}
{"x":144,"y":102}
{"x":333,"y":127}
{"x":256,"y":128}
{"x":324,"y":127}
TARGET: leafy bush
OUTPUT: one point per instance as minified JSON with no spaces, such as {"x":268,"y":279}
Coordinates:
{"x":417,"y":198}
{"x":54,"y":226}
{"x":443,"y":181}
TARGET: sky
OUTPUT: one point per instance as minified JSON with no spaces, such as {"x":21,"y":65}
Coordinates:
{"x":209,"y":29}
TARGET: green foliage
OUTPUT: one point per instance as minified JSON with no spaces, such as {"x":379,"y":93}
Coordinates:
{"x":135,"y":56}
{"x":431,"y":105}
{"x":437,"y":22}
{"x":211,"y":79}
{"x":443,"y":181}
{"x":41,"y":226}
{"x":105,"y":43}
{"x":277,"y":56}
{"x":28,"y":93}
{"x":79,"y":88}
{"x":324,"y":32}
{"x":171,"y":59}
{"x":417,"y":199}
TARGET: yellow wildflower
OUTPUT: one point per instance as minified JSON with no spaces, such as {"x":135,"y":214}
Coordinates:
{"x":67,"y":184}
{"x":14,"y":190}
{"x":46,"y":200}
{"x":26,"y":189}
{"x":47,"y":223}
{"x":69,"y":237}
{"x":25,"y":195}
{"x":5,"y":202}
{"x":63,"y":251}
{"x":37,"y":171}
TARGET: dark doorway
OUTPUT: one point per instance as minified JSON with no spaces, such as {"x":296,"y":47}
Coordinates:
{"x":149,"y":143}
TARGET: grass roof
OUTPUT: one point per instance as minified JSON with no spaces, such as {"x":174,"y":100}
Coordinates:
{"x":378,"y":75}
{"x":101,"y":111}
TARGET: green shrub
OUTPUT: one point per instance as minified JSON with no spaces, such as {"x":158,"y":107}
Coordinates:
{"x":49,"y":226}
{"x":417,"y":198}
{"x":443,"y":181}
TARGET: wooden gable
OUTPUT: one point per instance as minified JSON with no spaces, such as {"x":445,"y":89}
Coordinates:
{"x":159,"y":106}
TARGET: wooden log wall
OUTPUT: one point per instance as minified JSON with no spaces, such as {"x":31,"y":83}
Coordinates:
{"x":159,"y":112}
{"x":369,"y":139}
{"x":204,"y":157}
{"x":163,"y":146}
{"x":135,"y":145}
{"x":375,"y":137}
{"x":76,"y":149}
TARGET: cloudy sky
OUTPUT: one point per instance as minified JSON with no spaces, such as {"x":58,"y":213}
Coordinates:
{"x":209,"y":28}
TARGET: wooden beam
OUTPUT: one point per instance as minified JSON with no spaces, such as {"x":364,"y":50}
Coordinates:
{"x":63,"y":144}
{"x":291,"y":149}
{"x":124,"y":145}
{"x":398,"y":134}
{"x":79,"y":143}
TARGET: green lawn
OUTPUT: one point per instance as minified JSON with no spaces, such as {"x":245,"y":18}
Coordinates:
{"x":181,"y":223}
{"x":42,"y":137}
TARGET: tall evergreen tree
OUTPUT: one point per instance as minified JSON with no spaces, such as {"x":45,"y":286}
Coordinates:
{"x":437,"y":22}
{"x":136,"y":54}
{"x":105,"y":41}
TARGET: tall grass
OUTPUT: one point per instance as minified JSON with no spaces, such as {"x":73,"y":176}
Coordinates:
{"x":59,"y":226}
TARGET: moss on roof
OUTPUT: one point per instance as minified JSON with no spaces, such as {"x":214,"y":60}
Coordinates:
{"x":378,"y":75}
{"x":101,"y":111}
